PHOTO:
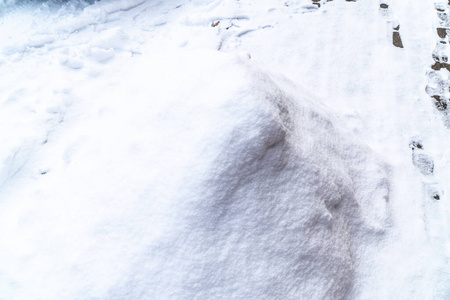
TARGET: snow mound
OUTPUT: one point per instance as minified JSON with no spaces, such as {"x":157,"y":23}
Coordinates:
{"x":203,"y":177}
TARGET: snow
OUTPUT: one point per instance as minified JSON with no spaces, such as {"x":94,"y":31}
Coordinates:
{"x":221,"y":150}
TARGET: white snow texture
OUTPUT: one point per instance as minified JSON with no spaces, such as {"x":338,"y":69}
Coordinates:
{"x":222,"y":149}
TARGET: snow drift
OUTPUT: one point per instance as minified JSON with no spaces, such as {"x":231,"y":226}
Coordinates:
{"x":252,"y":204}
{"x":140,"y":161}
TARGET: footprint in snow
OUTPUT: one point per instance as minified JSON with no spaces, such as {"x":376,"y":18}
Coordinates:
{"x":441,"y":51}
{"x":433,"y":190}
{"x":438,"y":87}
{"x":422,"y":161}
{"x":386,"y":12}
{"x":425,"y":164}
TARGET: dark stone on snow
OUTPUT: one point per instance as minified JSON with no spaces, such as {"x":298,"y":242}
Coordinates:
{"x":397,"y":40}
{"x":438,"y":66}
{"x":442,"y":32}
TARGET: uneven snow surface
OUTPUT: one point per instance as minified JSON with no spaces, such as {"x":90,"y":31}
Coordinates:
{"x":224,"y":149}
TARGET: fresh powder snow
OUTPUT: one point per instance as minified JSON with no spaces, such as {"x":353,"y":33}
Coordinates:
{"x":224,"y":149}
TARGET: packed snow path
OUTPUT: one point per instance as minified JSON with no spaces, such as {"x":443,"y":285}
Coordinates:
{"x":222,"y":150}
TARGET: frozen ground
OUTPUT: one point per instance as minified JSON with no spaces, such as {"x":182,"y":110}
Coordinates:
{"x":224,"y":149}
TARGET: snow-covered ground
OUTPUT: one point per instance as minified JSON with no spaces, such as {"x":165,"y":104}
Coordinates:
{"x":223,"y":149}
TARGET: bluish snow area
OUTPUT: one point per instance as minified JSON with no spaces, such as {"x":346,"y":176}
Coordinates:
{"x":224,"y":149}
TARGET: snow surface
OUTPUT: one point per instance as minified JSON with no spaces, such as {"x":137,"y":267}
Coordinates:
{"x":222,"y":149}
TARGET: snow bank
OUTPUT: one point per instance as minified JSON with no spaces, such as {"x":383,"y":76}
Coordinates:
{"x":206,"y":181}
